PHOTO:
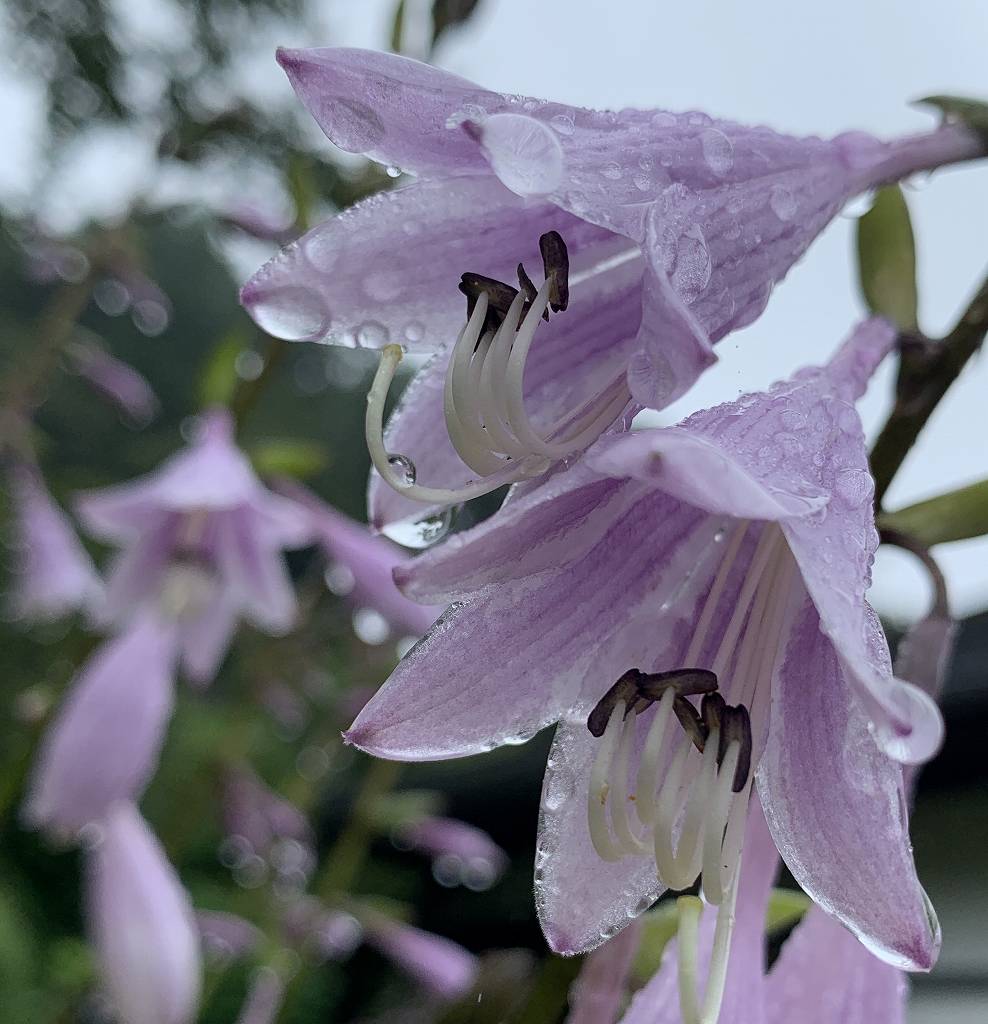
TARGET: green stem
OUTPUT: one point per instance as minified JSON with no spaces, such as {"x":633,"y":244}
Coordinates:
{"x":926,"y":371}
{"x":247,"y":394}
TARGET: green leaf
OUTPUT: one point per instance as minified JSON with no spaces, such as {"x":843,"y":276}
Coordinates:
{"x":887,"y":259}
{"x":398,"y":26}
{"x":957,"y":515}
{"x":218,"y":379}
{"x":785,"y":908}
{"x":289,"y":457}
{"x":969,"y":112}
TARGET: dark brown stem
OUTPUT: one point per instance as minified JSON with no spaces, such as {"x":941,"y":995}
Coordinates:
{"x":926,"y":371}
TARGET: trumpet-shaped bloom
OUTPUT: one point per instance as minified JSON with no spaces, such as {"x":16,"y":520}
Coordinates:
{"x":53,"y":575}
{"x":201,"y":538}
{"x":104,"y":742}
{"x":678,"y":226}
{"x":727,"y":557}
{"x":823,"y":974}
{"x":142,"y":924}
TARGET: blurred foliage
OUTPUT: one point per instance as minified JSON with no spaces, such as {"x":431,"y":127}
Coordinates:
{"x":973,"y":113}
{"x":956,"y":515}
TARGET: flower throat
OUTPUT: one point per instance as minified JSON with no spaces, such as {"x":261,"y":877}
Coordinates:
{"x":483,"y":394}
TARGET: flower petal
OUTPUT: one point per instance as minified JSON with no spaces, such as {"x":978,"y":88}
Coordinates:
{"x":596,"y":995}
{"x":511,"y":661}
{"x":824,"y":975}
{"x":104,"y":743}
{"x":142,"y":923}
{"x":206,"y":635}
{"x":836,"y":805}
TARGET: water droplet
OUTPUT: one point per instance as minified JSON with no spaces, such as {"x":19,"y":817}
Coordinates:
{"x":642,"y":182}
{"x":691,"y":265}
{"x":370,"y":626}
{"x":320,"y":249}
{"x":293,"y":313}
{"x":698,"y":117}
{"x":783,"y":202}
{"x":612,"y":171}
{"x":563,"y":124}
{"x":661,"y":119}
{"x":414,"y":331}
{"x":733,"y":231}
{"x":404,"y":469}
{"x":384,"y":285}
{"x":854,"y":486}
{"x":858,"y":206}
{"x":523,"y":153}
{"x":718,"y":151}
{"x":392,"y":171}
{"x":248,"y":364}
{"x":352,"y":125}
{"x":423,"y":533}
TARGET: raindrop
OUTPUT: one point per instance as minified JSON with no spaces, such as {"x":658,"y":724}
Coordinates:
{"x":563,"y":124}
{"x":423,"y":533}
{"x":414,"y":331}
{"x":404,"y":469}
{"x":854,"y":486}
{"x":372,"y":334}
{"x":370,"y":626}
{"x":248,"y":364}
{"x":783,"y":202}
{"x":320,"y":250}
{"x":661,"y":119}
{"x":392,"y":171}
{"x":718,"y":151}
{"x":691,"y":267}
{"x":642,"y":182}
{"x":612,"y":171}
{"x":294,"y":313}
{"x":523,"y":153}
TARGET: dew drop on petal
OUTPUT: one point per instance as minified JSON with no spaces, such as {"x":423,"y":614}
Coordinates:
{"x":611,"y":170}
{"x":414,"y":331}
{"x":295,"y":314}
{"x":423,"y":532}
{"x":563,"y":124}
{"x":321,"y":250}
{"x":404,"y":469}
{"x":661,"y":119}
{"x":524,"y":154}
{"x":854,"y":486}
{"x":718,"y":151}
{"x":691,"y":268}
{"x":372,"y":334}
{"x":782,"y":202}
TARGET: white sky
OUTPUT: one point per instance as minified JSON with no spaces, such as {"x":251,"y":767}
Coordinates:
{"x":820,"y":68}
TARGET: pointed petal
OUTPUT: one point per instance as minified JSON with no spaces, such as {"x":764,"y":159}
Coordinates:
{"x":595,"y":997}
{"x":513,"y":660}
{"x":52,"y":572}
{"x":205,"y":637}
{"x":104,"y":742}
{"x":836,"y":806}
{"x":254,"y":574}
{"x":438,"y":964}
{"x":824,"y":975}
{"x":142,"y":924}
{"x":658,"y":1001}
{"x":136,"y":572}
{"x":581,"y":900}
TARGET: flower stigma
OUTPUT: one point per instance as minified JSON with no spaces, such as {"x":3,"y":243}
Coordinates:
{"x":693,"y":780}
{"x":483,"y":394}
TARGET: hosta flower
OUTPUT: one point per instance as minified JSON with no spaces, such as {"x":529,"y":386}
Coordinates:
{"x":823,"y":974}
{"x":202,"y":541}
{"x":596,"y":995}
{"x":716,"y":571}
{"x":142,"y":924}
{"x":104,"y":742}
{"x":677,"y":227}
{"x":116,"y":380}
{"x":52,"y":573}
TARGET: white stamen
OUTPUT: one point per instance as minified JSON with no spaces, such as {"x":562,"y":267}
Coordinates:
{"x":484,"y":407}
{"x":600,"y":786}
{"x":648,"y":767}
{"x":629,"y":842}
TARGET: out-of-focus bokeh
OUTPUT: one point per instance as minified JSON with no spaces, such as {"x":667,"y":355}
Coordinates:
{"x":154,"y":156}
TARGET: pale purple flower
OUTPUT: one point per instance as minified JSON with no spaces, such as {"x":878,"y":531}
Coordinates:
{"x":360,"y":565}
{"x":202,"y":540}
{"x":598,"y":992}
{"x":52,"y":573}
{"x":733,"y":550}
{"x":104,"y":742}
{"x":461,"y":852}
{"x":116,"y":380}
{"x":142,"y":924}
{"x":439,"y":965}
{"x":264,"y":998}
{"x":823,"y":974}
{"x":677,"y":225}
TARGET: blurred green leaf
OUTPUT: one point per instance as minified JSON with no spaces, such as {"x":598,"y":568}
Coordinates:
{"x":447,"y":13}
{"x":397,"y":809}
{"x":785,"y":908}
{"x":398,"y":26}
{"x":973,"y":113}
{"x":957,"y":515}
{"x":887,"y":259}
{"x":289,"y":457}
{"x":219,"y":379}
